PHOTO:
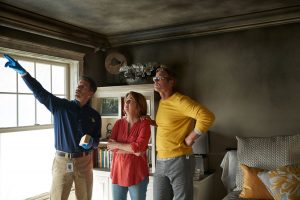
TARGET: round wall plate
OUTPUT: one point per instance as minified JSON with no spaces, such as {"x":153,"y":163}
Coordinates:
{"x":114,"y":61}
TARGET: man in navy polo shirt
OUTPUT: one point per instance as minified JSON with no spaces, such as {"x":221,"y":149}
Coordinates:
{"x":77,"y":130}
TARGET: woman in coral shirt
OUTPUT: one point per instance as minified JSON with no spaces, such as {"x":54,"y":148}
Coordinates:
{"x":129,"y":142}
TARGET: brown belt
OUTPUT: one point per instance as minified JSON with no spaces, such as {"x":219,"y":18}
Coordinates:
{"x":72,"y":155}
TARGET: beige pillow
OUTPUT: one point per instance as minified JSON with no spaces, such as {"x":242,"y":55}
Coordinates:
{"x":253,"y":187}
{"x":266,"y":153}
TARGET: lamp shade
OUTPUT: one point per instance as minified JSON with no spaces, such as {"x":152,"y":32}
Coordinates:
{"x":200,"y":146}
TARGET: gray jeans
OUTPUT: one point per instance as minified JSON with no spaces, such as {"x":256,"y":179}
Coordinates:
{"x":173,"y":178}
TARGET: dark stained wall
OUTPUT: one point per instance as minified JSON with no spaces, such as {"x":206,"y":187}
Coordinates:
{"x":249,"y":79}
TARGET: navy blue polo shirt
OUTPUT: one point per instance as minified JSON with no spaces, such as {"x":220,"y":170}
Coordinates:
{"x":71,"y":121}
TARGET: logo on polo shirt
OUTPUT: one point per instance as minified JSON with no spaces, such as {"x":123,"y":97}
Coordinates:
{"x":92,"y":119}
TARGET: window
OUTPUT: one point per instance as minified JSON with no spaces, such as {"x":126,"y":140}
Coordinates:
{"x":17,"y":101}
{"x":26,"y":131}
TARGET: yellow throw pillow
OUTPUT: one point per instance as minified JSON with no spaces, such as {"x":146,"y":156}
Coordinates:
{"x":252,"y":185}
{"x":283,"y":183}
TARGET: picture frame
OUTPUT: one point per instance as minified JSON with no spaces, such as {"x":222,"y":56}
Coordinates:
{"x":109,"y":106}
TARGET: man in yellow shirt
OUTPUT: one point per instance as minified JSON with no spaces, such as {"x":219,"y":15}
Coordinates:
{"x":180,"y":121}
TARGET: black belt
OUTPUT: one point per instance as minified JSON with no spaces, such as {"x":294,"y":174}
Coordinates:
{"x":72,"y":155}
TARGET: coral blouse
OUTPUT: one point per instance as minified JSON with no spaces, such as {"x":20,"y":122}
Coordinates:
{"x":129,"y":169}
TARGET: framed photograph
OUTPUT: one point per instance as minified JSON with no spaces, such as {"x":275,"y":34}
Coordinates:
{"x":148,"y":107}
{"x":109,"y":106}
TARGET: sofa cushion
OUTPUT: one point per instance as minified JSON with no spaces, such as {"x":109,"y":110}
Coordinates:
{"x":283,"y":183}
{"x":234,"y":195}
{"x":253,"y":187}
{"x":266,"y":153}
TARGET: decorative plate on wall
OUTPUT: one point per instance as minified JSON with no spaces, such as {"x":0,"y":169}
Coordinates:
{"x":114,"y":61}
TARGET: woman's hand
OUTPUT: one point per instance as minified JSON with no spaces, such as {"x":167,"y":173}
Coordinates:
{"x":122,"y":148}
{"x":112,"y":145}
{"x":142,"y":153}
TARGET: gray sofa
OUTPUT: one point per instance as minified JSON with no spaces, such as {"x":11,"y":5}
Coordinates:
{"x":260,"y":152}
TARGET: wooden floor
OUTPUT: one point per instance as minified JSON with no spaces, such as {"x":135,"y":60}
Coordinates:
{"x":46,"y":196}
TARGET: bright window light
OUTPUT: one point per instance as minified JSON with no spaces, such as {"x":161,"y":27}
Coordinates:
{"x":25,"y":163}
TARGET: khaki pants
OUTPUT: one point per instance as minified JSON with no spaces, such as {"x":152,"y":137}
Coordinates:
{"x":62,"y":180}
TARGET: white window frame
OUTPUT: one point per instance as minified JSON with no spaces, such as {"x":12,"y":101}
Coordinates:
{"x":73,"y":72}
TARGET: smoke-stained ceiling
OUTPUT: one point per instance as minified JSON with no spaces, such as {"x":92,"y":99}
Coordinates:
{"x":125,"y":22}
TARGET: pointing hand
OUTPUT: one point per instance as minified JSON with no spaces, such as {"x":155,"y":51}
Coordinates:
{"x":14,"y":65}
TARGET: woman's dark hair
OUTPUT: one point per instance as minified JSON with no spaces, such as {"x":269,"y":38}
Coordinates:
{"x":93,"y":86}
{"x":140,"y":102}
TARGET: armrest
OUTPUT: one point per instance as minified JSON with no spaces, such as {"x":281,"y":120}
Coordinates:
{"x":229,"y":165}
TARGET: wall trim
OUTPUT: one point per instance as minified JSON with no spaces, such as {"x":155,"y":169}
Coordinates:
{"x":221,"y":25}
{"x":27,"y":46}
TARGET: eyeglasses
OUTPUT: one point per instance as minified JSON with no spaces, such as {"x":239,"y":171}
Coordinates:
{"x":158,"y":78}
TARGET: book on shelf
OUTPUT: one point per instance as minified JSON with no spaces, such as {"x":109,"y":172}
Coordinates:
{"x":104,"y":158}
